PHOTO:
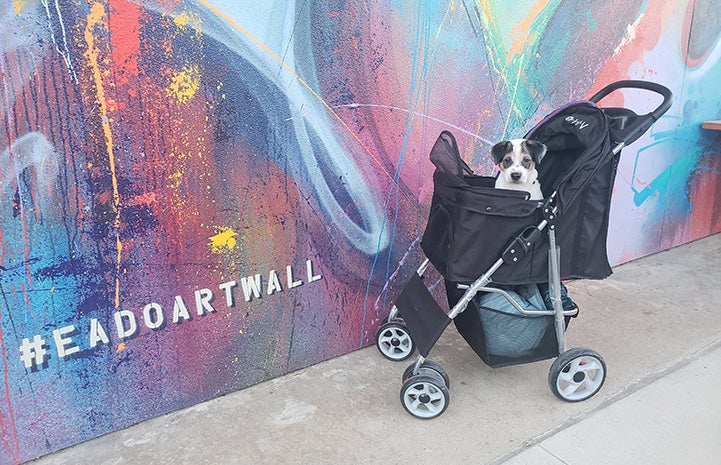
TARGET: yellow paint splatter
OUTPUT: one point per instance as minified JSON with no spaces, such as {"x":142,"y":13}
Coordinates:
{"x":121,"y":347}
{"x":185,"y":19}
{"x":225,"y":238}
{"x":175,"y":180}
{"x":182,"y":20}
{"x":19,"y":5}
{"x":184,"y":84}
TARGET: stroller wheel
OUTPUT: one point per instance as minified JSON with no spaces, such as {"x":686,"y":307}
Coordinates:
{"x":424,"y":397}
{"x":577,"y":375}
{"x":394,"y":341}
{"x":428,"y":368}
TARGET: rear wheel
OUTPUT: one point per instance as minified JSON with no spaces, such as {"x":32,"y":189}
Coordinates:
{"x":577,"y":375}
{"x":394,"y":341}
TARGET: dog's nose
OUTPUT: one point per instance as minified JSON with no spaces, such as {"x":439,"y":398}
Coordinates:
{"x":515,"y":176}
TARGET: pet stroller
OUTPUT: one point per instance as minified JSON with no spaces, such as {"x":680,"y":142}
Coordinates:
{"x":490,"y":247}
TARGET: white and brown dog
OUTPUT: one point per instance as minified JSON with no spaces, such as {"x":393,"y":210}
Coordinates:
{"x":517,"y":160}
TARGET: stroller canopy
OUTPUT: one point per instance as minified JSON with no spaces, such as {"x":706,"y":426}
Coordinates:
{"x":577,"y":138}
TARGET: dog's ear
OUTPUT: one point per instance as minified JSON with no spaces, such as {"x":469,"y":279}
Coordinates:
{"x":537,"y":150}
{"x":500,"y":150}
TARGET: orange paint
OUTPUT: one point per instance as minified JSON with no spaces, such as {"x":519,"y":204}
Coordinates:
{"x":147,"y":198}
{"x":97,"y":18}
{"x":19,"y":5}
{"x":522,"y":30}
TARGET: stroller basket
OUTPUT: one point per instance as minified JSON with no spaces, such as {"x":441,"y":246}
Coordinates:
{"x":523,"y":338}
{"x":502,"y":335}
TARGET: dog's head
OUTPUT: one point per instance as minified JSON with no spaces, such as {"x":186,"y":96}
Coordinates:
{"x":517,"y":159}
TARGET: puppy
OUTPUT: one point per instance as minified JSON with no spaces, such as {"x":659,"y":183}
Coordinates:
{"x":517,"y":160}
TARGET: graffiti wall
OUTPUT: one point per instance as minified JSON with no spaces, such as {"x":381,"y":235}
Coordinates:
{"x":202,"y":195}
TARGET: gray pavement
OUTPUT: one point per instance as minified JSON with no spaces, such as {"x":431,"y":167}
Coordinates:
{"x":674,"y":420}
{"x":656,"y":321}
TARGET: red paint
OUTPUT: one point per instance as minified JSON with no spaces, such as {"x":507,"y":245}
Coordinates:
{"x":124,"y":26}
{"x":705,"y":190}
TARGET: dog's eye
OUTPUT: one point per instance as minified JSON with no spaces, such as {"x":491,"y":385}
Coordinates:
{"x":507,"y":162}
{"x":527,"y":161}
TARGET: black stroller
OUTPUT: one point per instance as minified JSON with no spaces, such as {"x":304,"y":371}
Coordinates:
{"x":489,"y":246}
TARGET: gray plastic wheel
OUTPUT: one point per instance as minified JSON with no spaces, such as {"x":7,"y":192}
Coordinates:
{"x":425,"y":397}
{"x":577,"y":375}
{"x":394,"y":341}
{"x":428,"y":368}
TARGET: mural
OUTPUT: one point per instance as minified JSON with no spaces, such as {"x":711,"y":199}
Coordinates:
{"x":201,"y":195}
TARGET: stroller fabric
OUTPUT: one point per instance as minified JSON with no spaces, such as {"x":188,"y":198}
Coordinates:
{"x":421,"y":313}
{"x":471,"y":223}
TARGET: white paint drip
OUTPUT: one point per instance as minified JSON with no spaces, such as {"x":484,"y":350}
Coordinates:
{"x":65,"y":52}
{"x":630,"y":35}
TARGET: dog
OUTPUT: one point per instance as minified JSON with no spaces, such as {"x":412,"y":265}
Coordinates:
{"x":517,"y":159}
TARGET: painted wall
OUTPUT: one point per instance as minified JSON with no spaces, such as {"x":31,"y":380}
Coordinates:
{"x":198,"y":195}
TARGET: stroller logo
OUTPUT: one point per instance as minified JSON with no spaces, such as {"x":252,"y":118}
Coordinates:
{"x":579,"y":123}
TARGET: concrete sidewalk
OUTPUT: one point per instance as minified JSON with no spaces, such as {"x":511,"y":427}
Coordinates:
{"x":656,"y":322}
{"x":674,"y":420}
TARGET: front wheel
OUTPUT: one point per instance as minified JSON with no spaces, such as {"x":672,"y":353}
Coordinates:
{"x":577,"y":375}
{"x":425,"y":397}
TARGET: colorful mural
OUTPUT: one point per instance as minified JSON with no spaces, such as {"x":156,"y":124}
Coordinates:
{"x":202,"y":195}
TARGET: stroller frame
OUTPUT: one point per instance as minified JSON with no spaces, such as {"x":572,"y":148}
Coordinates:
{"x":576,"y":374}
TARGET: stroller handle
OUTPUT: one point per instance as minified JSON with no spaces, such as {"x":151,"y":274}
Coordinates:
{"x":638,"y":125}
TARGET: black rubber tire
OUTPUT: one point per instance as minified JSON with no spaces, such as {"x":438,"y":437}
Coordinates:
{"x":394,"y":341}
{"x":428,"y":368}
{"x":577,"y":374}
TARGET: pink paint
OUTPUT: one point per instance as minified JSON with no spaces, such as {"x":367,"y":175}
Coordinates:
{"x":647,"y":35}
{"x":691,"y":62}
{"x":7,"y":426}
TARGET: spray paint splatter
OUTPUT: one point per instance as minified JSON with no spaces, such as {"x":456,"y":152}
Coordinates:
{"x":184,"y":84}
{"x":225,"y":239}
